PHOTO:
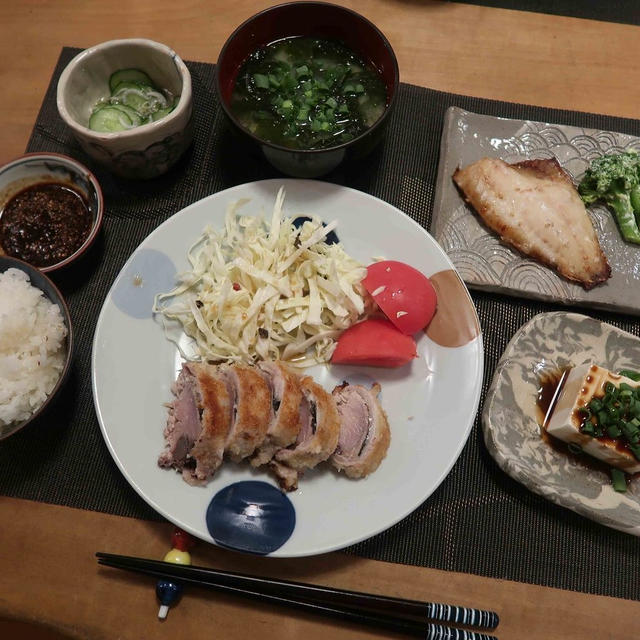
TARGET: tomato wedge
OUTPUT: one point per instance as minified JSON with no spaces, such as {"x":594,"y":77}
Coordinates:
{"x":404,"y":295}
{"x":374,"y":342}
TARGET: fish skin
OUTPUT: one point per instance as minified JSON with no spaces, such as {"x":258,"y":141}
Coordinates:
{"x":534,"y":207}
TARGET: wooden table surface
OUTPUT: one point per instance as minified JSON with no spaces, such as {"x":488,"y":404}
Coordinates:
{"x":47,"y":571}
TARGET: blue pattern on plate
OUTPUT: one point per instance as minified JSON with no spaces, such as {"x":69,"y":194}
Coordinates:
{"x":251,"y":516}
{"x":332,"y":236}
{"x":149,"y":273}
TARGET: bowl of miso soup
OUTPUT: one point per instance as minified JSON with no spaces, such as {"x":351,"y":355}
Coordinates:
{"x":308,"y":85}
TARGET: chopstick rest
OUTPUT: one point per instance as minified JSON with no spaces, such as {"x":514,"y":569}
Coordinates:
{"x":169,"y":592}
{"x":407,"y":616}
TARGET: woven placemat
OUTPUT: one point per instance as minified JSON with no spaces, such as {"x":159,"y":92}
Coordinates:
{"x":479,"y":520}
{"x":624,"y":11}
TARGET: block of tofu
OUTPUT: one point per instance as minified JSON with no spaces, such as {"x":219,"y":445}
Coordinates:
{"x":581,"y":385}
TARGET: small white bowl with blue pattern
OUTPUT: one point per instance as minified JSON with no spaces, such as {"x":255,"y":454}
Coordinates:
{"x":145,"y":151}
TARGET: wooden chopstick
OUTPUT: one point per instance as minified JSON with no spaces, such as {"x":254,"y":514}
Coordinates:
{"x":407,"y":616}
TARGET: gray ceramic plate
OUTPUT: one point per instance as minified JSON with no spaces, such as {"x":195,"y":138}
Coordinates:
{"x":480,"y":258}
{"x":511,"y":430}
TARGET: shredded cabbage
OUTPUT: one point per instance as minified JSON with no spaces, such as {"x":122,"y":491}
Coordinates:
{"x":260,"y":291}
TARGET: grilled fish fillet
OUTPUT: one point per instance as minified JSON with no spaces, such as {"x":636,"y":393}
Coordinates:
{"x":534,"y":207}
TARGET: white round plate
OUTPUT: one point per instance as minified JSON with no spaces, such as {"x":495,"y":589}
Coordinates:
{"x":431,"y":403}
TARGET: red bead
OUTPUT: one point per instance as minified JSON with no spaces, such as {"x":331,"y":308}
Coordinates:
{"x":181,"y":540}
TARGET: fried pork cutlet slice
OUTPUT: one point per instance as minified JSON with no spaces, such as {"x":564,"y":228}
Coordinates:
{"x":364,"y":430}
{"x":284,"y":422}
{"x":198,"y":424}
{"x":534,"y":207}
{"x":251,"y":402}
{"x":319,"y":429}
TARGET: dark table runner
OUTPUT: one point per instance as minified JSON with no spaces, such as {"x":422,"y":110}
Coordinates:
{"x":624,"y":11}
{"x":479,"y":520}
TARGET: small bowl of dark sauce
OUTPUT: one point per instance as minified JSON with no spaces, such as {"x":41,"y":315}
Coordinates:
{"x":51,"y":209}
{"x":308,"y":85}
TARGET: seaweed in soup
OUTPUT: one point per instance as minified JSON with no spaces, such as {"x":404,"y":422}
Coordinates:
{"x":307,"y":93}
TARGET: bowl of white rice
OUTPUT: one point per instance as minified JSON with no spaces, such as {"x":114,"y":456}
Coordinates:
{"x":36,"y":344}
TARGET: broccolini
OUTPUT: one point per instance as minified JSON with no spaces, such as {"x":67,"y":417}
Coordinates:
{"x":614,"y":179}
